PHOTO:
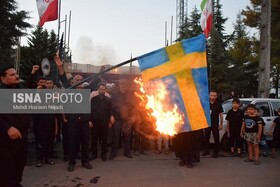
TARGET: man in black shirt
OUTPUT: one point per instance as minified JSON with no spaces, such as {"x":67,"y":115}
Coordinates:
{"x":101,"y":118}
{"x":216,"y":112}
{"x":78,"y":126}
{"x":13,"y":136}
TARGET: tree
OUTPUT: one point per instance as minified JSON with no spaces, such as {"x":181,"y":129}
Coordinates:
{"x":192,"y":27}
{"x":41,"y":44}
{"x":275,"y":45}
{"x":243,"y":67}
{"x":219,"y":57}
{"x":12,"y":26}
{"x":252,"y":14}
{"x":252,"y":18}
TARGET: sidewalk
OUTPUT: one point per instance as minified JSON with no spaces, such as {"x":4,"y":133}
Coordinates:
{"x":156,"y":170}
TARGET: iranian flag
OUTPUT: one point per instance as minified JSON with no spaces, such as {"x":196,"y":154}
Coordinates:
{"x":206,"y":16}
{"x":48,"y":10}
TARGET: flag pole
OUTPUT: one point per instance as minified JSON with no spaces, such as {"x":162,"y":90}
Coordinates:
{"x":59,"y":10}
{"x":104,"y":71}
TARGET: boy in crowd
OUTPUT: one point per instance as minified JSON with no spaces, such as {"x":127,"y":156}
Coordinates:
{"x":263,"y":144}
{"x":251,"y":131}
{"x":234,"y":122}
{"x":276,"y":134}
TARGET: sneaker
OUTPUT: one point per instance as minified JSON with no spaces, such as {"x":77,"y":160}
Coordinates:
{"x":71,"y":167}
{"x":92,"y":157}
{"x":240,"y":155}
{"x":103,"y":157}
{"x":50,"y":162}
{"x":166,"y":151}
{"x":215,"y":155}
{"x":264,"y":154}
{"x":112,"y":157}
{"x":248,"y":160}
{"x":87,"y":165}
{"x":189,"y":165}
{"x":128,"y":155}
{"x":257,"y":162}
{"x":232,"y":154}
{"x":182,"y":162}
{"x":39,"y":163}
{"x":136,"y":153}
{"x":54,"y":156}
{"x":65,"y":158}
{"x":205,"y":153}
{"x":158,"y":152}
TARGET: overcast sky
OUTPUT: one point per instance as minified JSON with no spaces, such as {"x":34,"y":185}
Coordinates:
{"x":109,"y":31}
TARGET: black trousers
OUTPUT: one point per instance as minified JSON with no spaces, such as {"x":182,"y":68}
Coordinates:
{"x":64,"y":133}
{"x":99,"y":133}
{"x":45,"y":143}
{"x":186,"y":146}
{"x":207,"y":132}
{"x":78,"y":131}
{"x":234,"y":137}
{"x":13,"y":154}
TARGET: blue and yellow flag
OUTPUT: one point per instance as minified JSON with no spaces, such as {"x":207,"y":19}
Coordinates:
{"x":184,"y":67}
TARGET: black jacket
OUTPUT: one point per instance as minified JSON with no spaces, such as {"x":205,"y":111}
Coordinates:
{"x":19,"y":121}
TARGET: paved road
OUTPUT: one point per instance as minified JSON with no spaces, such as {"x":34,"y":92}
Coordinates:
{"x":157,"y":170}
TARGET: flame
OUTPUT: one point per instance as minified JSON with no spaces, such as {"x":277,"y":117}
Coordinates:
{"x":154,"y":98}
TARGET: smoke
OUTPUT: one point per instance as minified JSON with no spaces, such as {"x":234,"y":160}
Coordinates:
{"x":87,"y":52}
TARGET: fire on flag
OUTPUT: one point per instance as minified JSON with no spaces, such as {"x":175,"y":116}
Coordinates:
{"x":181,"y":71}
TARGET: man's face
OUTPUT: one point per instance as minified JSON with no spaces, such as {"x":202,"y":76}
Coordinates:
{"x":41,"y":82}
{"x":102,"y":90}
{"x":123,"y":86}
{"x":213,"y":96}
{"x":49,"y":84}
{"x":108,"y":89}
{"x":11,"y":77}
{"x":77,"y":78}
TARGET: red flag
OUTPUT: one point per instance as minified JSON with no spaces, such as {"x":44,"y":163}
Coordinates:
{"x":206,"y":16}
{"x":48,"y":10}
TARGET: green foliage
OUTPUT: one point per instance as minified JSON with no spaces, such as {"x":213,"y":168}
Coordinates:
{"x":41,"y":44}
{"x":275,"y":44}
{"x":218,"y":53}
{"x":252,"y":14}
{"x":191,"y":27}
{"x":12,"y":26}
{"x":243,"y":69}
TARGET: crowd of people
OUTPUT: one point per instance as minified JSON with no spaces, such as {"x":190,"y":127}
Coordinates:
{"x":115,"y":121}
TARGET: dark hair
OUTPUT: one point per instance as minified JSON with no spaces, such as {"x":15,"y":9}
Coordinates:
{"x":4,"y":68}
{"x":251,"y":106}
{"x":101,"y":84}
{"x":48,"y":79}
{"x":235,"y":100}
{"x":40,"y":78}
{"x":257,"y":109}
{"x":215,"y":91}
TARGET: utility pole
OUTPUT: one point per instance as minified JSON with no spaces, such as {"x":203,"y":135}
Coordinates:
{"x":264,"y":64}
{"x":181,"y":14}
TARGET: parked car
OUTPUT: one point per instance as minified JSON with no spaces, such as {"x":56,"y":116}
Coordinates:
{"x":268,"y":111}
